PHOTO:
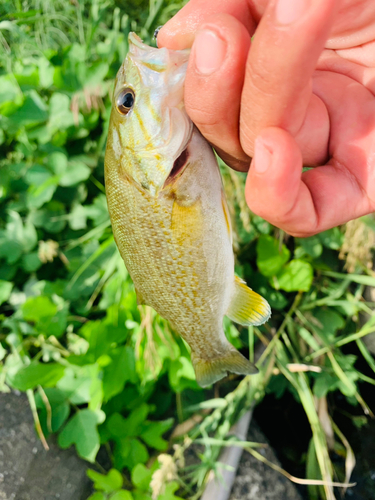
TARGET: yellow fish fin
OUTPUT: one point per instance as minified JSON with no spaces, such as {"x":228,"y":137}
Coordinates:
{"x":140,"y":300}
{"x":247,"y":307}
{"x":209,"y":371}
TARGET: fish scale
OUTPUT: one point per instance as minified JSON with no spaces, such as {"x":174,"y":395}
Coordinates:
{"x":172,"y":225}
{"x":151,"y":253}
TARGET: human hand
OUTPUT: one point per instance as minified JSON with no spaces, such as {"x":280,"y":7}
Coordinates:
{"x":304,"y":93}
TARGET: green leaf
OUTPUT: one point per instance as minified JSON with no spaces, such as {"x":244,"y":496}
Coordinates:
{"x":277,"y":385}
{"x":129,"y":452}
{"x":3,"y":353}
{"x":10,"y":95}
{"x":10,"y":250}
{"x":48,"y":318}
{"x":119,"y":427}
{"x":116,"y":426}
{"x":119,"y":371}
{"x":111,"y":482}
{"x":27,"y":76}
{"x":141,"y":476}
{"x":37,"y":175}
{"x":270,"y":255}
{"x":38,"y":195}
{"x":75,"y":172}
{"x":141,"y":495}
{"x":60,"y":409}
{"x":169,"y":492}
{"x":297,"y":275}
{"x":51,"y":217}
{"x":152,"y":432}
{"x":5,"y":290}
{"x":81,"y":430}
{"x":333,"y":238}
{"x":308,"y":338}
{"x":313,"y":471}
{"x":181,"y":375}
{"x":32,"y":112}
{"x":45,"y":72}
{"x":14,"y":227}
{"x":58,"y":163}
{"x":96,"y":73}
{"x":95,"y":333}
{"x":60,"y":115}
{"x":36,"y":374}
{"x":122,"y":495}
{"x":77,"y":219}
{"x":29,"y":237}
{"x":310,"y":246}
{"x":327,"y":322}
{"x":37,"y":308}
{"x":17,"y":237}
{"x":324,"y":383}
{"x":98,"y":211}
{"x":31,"y":262}
{"x":97,"y":496}
{"x":77,"y":384}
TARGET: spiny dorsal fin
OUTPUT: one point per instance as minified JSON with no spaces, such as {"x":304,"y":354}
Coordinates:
{"x":247,"y":307}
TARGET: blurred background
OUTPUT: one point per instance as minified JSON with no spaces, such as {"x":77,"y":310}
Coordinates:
{"x":111,"y":379}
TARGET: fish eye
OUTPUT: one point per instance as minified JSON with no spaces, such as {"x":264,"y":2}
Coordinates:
{"x":125,"y":101}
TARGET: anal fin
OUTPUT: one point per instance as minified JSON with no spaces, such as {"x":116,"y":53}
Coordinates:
{"x":247,"y":307}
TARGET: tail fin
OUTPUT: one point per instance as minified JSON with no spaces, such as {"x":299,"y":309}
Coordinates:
{"x":208,"y":371}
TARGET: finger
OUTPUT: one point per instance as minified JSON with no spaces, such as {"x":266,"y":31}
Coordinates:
{"x":277,"y":89}
{"x":302,"y":204}
{"x":354,"y":27}
{"x":214,"y":83}
{"x":179,"y":32}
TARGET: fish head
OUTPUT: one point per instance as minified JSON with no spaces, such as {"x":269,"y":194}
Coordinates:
{"x":149,"y":127}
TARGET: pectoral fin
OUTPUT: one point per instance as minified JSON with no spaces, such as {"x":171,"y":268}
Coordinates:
{"x":247,"y":307}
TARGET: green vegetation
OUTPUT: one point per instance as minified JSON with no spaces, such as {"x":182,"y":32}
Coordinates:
{"x":97,"y":369}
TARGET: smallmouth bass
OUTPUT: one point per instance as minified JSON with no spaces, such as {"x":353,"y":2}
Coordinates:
{"x":169,"y":214}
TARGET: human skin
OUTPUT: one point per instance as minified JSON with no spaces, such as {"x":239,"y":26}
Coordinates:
{"x":302,"y":92}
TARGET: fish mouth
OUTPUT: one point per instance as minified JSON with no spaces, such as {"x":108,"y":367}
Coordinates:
{"x":179,"y":165}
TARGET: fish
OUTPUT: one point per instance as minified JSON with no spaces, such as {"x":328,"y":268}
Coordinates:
{"x":169,"y":213}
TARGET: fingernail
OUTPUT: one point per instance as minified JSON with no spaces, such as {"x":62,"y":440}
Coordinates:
{"x":209,"y":52}
{"x":262,"y":157}
{"x":288,"y":11}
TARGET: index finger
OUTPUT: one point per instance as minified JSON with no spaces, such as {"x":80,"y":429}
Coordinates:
{"x":277,"y":90}
{"x":179,"y":32}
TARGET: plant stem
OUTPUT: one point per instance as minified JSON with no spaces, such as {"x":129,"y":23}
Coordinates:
{"x":289,"y":314}
{"x":180,"y":413}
